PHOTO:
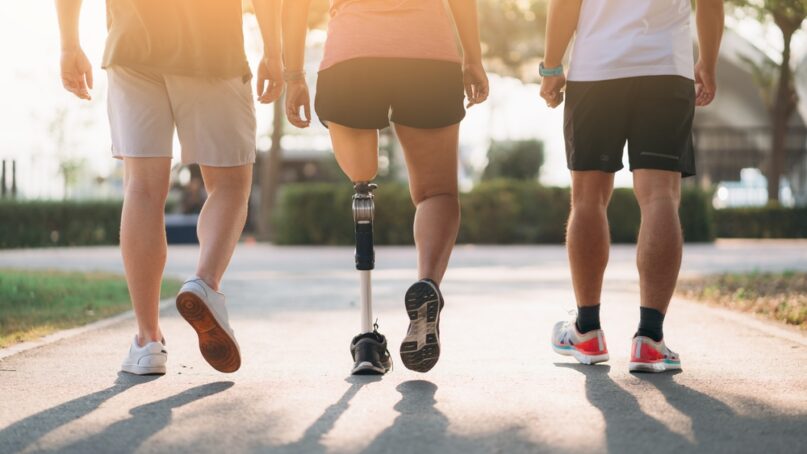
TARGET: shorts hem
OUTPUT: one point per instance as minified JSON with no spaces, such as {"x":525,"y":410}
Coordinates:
{"x":435,"y":125}
{"x":684,"y":173}
{"x":353,"y":125}
{"x":583,"y":168}
{"x":250,"y":159}
{"x":121,"y":156}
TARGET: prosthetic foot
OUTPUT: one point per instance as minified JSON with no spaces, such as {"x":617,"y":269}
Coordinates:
{"x":369,"y":349}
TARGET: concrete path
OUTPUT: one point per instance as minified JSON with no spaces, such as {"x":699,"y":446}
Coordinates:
{"x":498,"y":387}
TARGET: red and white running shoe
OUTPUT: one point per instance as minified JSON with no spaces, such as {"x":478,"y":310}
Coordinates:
{"x":647,"y":355}
{"x":588,"y":348}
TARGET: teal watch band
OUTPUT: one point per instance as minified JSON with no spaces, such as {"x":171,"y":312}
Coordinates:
{"x":550,"y":72}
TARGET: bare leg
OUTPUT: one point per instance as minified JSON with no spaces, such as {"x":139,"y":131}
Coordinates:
{"x":142,"y":239}
{"x":356,"y":151}
{"x":587,"y":237}
{"x":431,"y":157}
{"x":222,"y":219}
{"x":658,"y":253}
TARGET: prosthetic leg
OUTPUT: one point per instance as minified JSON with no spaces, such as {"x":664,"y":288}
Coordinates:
{"x":363,"y":214}
{"x":369,"y":348}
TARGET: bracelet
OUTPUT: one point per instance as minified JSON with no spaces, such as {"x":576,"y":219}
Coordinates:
{"x":293,"y":76}
{"x":550,"y":72}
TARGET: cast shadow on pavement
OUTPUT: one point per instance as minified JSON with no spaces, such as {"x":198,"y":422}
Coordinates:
{"x":40,"y":424}
{"x":716,"y":426}
{"x":311,"y":441}
{"x":419,"y":427}
{"x":127,"y":435}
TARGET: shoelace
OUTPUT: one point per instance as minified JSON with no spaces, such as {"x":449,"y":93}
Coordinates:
{"x":386,"y":350}
{"x":567,"y":325}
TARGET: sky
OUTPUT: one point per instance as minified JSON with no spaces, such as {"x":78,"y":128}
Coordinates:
{"x":29,"y":44}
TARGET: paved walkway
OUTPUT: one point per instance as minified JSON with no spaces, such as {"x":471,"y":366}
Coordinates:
{"x":498,"y":386}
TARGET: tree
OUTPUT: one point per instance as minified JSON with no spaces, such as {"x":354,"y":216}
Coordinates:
{"x":512,"y":34}
{"x":514,"y":159}
{"x":71,"y":166}
{"x":788,"y":16}
{"x":271,"y":164}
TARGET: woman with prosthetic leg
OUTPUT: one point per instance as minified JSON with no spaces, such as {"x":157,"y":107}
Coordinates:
{"x":396,"y":62}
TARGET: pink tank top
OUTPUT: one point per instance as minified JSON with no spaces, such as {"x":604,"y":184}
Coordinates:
{"x":389,"y":29}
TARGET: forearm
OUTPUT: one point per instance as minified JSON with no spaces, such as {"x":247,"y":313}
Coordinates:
{"x":710,"y":18}
{"x":561,"y":23}
{"x":465,"y":17}
{"x":295,"y":27}
{"x":268,"y":13}
{"x":68,"y":13}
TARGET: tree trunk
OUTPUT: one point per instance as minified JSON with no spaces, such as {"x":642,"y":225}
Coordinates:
{"x":270,"y":175}
{"x":783,"y":108}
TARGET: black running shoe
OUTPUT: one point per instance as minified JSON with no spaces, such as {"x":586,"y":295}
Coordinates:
{"x":370,"y":354}
{"x":420,"y":349}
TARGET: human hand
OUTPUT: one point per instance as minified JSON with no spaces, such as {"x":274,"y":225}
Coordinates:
{"x":476,"y":85}
{"x":297,"y":97}
{"x":705,"y":84}
{"x":551,"y":90}
{"x":269,"y":84}
{"x":76,"y":73}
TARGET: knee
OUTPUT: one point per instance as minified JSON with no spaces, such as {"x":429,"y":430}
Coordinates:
{"x":593,"y":205}
{"x":233,"y":190}
{"x":146,"y":191}
{"x":658,"y":199}
{"x":421,"y":195}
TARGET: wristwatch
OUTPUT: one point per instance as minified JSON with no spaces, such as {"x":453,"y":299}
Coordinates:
{"x":550,"y":72}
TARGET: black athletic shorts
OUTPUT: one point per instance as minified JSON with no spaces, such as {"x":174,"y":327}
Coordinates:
{"x":368,"y":93}
{"x":652,"y":114}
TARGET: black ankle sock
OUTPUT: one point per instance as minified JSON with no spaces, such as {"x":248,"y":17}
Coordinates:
{"x":588,"y":318}
{"x":650,"y":324}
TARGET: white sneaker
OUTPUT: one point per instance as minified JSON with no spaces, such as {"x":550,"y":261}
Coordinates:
{"x":206,"y":312}
{"x":146,"y":360}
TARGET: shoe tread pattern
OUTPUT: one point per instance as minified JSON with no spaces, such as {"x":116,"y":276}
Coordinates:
{"x":420,"y":349}
{"x":216,"y":345}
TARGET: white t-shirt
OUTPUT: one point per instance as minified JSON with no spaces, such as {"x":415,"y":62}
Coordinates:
{"x":628,"y":38}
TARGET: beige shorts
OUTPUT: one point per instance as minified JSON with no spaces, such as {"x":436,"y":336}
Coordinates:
{"x":214,"y":118}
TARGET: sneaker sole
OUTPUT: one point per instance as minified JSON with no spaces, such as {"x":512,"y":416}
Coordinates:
{"x":582,"y":358}
{"x":140,"y":370}
{"x":216,"y":345}
{"x":420,"y":349}
{"x":367,"y":368}
{"x":653,"y":367}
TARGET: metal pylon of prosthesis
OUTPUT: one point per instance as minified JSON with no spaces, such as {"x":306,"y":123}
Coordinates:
{"x":363,"y":214}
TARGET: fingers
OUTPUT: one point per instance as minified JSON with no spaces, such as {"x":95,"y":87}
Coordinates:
{"x":74,"y":83}
{"x":88,"y":77}
{"x":704,"y":95}
{"x":272,"y":93}
{"x":553,"y":98}
{"x":476,"y":93}
{"x":260,"y":83}
{"x":293,"y":113}
{"x":705,"y":90}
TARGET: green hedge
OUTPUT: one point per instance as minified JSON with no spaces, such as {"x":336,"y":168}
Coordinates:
{"x":494,"y":212}
{"x":763,"y":222}
{"x":58,"y":223}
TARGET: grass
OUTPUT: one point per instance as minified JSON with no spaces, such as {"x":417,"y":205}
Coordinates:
{"x":779,"y":296}
{"x":36,"y":303}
